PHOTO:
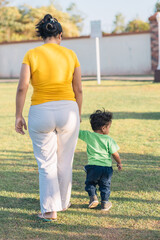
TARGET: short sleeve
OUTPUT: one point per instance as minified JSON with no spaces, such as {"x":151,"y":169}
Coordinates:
{"x":113,"y":147}
{"x":77,"y":64}
{"x":82,"y":135}
{"x":26,"y":59}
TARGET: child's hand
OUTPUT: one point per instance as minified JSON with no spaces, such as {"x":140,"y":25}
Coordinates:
{"x":119,"y":166}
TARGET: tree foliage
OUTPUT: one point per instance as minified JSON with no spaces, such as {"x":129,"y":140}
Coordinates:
{"x":157,"y":7}
{"x":3,"y":3}
{"x":119,"y":23}
{"x":76,"y":16}
{"x":137,"y":26}
{"x":19,"y":23}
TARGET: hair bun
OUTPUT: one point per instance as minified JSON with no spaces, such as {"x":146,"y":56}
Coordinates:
{"x":50,"y":27}
{"x":50,"y":23}
{"x":47,"y":18}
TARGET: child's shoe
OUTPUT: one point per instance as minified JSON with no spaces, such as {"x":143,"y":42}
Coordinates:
{"x":93,"y":201}
{"x":105,"y":205}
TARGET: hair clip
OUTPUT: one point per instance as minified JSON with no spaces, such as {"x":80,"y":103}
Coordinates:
{"x":54,"y":20}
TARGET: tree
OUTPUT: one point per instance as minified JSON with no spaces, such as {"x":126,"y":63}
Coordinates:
{"x":70,"y":29}
{"x":19,"y":23}
{"x":157,"y":7}
{"x":76,"y":16}
{"x":9,"y":22}
{"x":3,"y":3}
{"x":137,"y":26}
{"x":119,"y":23}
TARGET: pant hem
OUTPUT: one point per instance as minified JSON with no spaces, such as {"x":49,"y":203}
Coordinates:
{"x":51,"y":210}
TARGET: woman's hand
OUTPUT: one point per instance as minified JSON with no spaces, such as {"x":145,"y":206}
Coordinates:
{"x":19,"y":124}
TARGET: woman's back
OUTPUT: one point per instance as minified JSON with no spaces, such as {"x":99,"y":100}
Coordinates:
{"x":52,"y":67}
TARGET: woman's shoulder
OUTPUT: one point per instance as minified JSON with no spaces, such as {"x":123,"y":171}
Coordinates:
{"x":30,"y":51}
{"x":34,"y":51}
{"x":67,"y":49}
{"x":62,"y":48}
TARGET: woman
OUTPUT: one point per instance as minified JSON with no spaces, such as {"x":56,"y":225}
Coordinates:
{"x":54,"y":115}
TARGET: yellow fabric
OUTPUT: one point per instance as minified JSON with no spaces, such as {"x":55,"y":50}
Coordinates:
{"x":52,"y":67}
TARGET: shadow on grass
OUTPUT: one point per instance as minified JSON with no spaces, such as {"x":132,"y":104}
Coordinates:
{"x":132,"y":115}
{"x":122,"y":199}
{"x":19,"y":182}
{"x":128,"y":180}
{"x":145,"y":160}
{"x":22,"y":224}
{"x":139,"y":173}
{"x":16,"y":152}
{"x":17,"y":158}
{"x":112,"y":216}
{"x":19,"y":203}
{"x":134,"y":178}
{"x":98,"y":213}
{"x":17,"y":164}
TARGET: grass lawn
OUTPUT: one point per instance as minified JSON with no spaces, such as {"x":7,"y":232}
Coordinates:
{"x":134,"y":191}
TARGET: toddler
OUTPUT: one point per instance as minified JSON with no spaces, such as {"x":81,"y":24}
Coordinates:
{"x":100,"y":148}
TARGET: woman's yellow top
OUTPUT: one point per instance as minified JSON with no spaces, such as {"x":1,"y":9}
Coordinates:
{"x":52,"y":67}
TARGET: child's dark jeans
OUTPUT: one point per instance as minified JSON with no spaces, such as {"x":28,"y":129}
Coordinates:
{"x":101,"y":176}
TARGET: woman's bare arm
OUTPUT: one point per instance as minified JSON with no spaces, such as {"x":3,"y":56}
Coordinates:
{"x":77,"y":88}
{"x":20,"y":98}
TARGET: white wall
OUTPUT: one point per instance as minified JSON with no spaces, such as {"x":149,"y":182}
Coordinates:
{"x":11,"y":56}
{"x":126,"y":54}
{"x":119,"y":55}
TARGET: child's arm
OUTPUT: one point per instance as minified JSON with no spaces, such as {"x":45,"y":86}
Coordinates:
{"x":83,"y":135}
{"x":118,"y":160}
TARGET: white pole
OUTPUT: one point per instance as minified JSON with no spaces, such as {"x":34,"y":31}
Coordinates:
{"x":158,"y":20}
{"x":98,"y":61}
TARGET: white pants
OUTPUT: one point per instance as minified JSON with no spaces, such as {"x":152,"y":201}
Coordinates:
{"x":54,"y":128}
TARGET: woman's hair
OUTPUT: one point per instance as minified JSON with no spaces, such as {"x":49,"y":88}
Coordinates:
{"x":98,"y":119}
{"x":48,"y":27}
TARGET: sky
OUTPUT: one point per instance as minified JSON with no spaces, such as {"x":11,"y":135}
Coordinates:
{"x":103,"y":10}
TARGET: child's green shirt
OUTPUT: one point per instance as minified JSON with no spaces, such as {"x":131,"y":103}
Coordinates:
{"x":99,"y":148}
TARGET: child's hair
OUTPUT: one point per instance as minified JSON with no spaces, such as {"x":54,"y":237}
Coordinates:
{"x":100,"y":118}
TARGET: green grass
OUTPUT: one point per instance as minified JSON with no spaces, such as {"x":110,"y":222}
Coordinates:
{"x":134,"y":191}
